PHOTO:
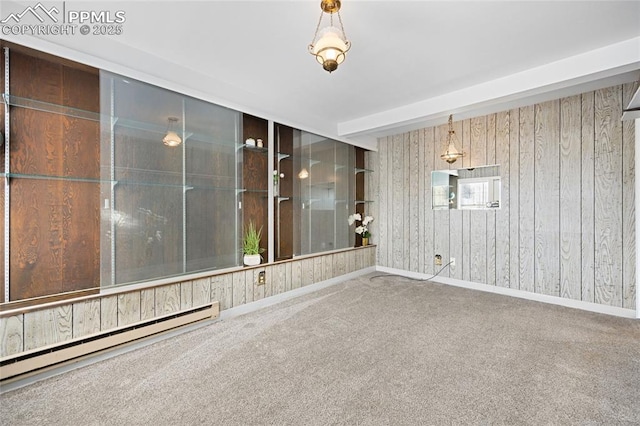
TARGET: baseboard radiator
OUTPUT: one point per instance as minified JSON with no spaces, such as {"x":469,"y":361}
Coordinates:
{"x":32,"y":361}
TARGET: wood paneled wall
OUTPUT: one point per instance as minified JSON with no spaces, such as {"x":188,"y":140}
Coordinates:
{"x":55,"y":223}
{"x":38,"y":327}
{"x":566,"y":226}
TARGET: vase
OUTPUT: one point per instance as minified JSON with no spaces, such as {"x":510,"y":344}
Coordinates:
{"x":251,"y":259}
{"x":365,"y":241}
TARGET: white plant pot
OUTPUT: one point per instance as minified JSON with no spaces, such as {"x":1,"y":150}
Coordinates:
{"x":252,"y":259}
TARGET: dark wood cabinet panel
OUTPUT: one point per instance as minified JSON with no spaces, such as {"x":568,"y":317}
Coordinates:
{"x":359,"y":190}
{"x":55,"y":223}
{"x":284,"y":209}
{"x":255,"y":179}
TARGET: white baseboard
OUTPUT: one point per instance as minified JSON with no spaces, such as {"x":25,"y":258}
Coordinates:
{"x":569,"y":303}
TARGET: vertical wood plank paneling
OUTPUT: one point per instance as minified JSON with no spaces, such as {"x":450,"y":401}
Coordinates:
{"x":252,"y":292}
{"x":296,"y":274}
{"x":318,"y":269}
{"x":491,"y":215}
{"x":351,"y":261}
{"x":86,"y":317}
{"x":547,"y":205}
{"x":608,"y":196}
{"x":359,"y":259}
{"x":147,"y":304}
{"x":429,"y":247}
{"x":372,"y":256}
{"x":328,"y":267}
{"x":413,"y":224}
{"x":288,"y":274}
{"x":239,"y":290}
{"x":503,"y":225}
{"x":527,"y":200}
{"x":307,"y":271}
{"x":167,"y":299}
{"x":47,"y":326}
{"x":629,"y":292}
{"x":478,"y":219}
{"x":587,"y":195}
{"x":259,"y":290}
{"x":12,"y":335}
{"x":455,"y":224}
{"x":406,"y":202}
{"x":570,"y":198}
{"x":424,"y":206}
{"x":128,"y":308}
{"x":514,"y":198}
{"x":466,"y":215}
{"x":202,"y":292}
{"x":278,"y":279}
{"x":441,"y":217}
{"x":222,"y":290}
{"x":397,"y":205}
{"x":383,"y":221}
{"x":186,"y":295}
{"x":269,"y":289}
{"x":108,"y":312}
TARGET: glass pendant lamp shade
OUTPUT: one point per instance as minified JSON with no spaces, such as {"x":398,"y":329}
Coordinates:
{"x":330,"y":48}
{"x":452,"y":153}
{"x":330,"y":44}
{"x":171,"y":138}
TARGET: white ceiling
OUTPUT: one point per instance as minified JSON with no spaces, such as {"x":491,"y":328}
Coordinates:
{"x":412,"y":62}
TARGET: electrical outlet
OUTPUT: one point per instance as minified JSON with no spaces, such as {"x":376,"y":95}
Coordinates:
{"x":438,"y":260}
{"x":262,"y":278}
{"x":452,"y":261}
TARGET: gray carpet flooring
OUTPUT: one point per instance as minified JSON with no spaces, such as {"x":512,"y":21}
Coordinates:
{"x":387,"y":351}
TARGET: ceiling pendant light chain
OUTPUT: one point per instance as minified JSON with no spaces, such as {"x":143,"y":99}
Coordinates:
{"x":313,"y":40}
{"x":344,"y":34}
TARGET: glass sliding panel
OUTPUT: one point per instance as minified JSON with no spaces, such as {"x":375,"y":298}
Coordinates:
{"x":324,"y":194}
{"x":344,"y":178}
{"x":147,"y":206}
{"x":166,"y":210}
{"x":148,"y":231}
{"x":211,"y":182}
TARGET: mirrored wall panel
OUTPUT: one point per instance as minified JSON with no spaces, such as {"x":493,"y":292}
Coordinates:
{"x":475,"y":188}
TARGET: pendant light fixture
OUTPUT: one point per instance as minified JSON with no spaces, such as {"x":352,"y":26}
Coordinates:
{"x":452,"y":153}
{"x":330,"y":44}
{"x":171,"y":138}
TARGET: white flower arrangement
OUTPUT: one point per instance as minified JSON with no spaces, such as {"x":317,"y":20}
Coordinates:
{"x":363,"y":228}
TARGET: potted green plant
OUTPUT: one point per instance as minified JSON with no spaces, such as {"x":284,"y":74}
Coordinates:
{"x":251,"y":245}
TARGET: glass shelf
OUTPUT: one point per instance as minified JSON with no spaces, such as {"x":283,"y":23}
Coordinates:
{"x":281,"y":156}
{"x":360,"y":170}
{"x":306,"y":161}
{"x":33,"y":104}
{"x":262,"y":150}
{"x":120,"y":182}
{"x":160,"y":129}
